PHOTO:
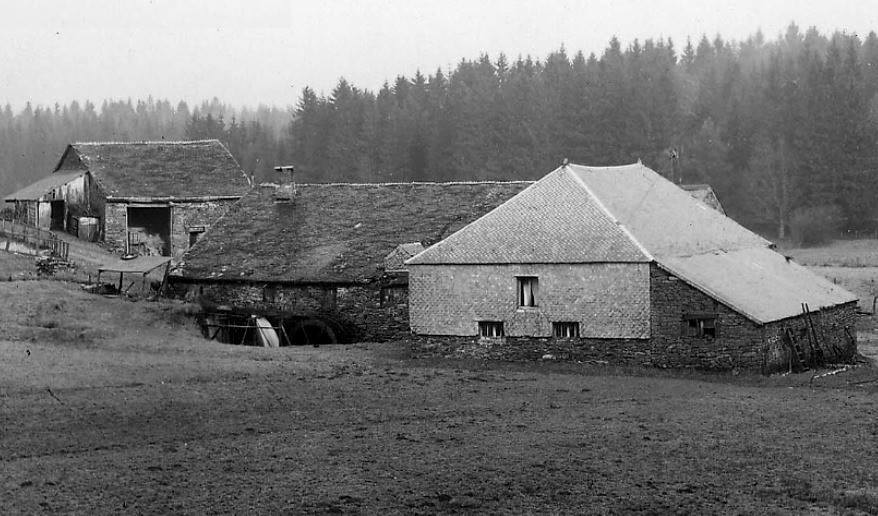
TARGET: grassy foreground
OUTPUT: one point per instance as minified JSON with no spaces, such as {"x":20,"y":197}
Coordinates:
{"x":109,"y":405}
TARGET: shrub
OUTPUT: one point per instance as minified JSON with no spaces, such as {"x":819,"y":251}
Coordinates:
{"x":815,"y":225}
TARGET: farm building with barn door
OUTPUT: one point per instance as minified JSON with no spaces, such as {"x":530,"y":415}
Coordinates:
{"x":619,"y":264}
{"x":149,"y":198}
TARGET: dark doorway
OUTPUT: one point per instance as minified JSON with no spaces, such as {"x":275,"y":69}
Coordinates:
{"x":149,"y":230}
{"x":57,"y":215}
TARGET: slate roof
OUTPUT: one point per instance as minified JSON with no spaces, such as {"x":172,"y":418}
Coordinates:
{"x":36,"y":191}
{"x":554,"y":221}
{"x":335,"y":233}
{"x":630,"y":213}
{"x":161,"y":169}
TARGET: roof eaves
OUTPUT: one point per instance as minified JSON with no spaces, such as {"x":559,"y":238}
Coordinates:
{"x":722,"y":299}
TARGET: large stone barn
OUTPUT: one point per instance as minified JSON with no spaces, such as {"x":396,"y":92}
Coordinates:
{"x":153,"y":198}
{"x":326,"y":261}
{"x":620,"y":264}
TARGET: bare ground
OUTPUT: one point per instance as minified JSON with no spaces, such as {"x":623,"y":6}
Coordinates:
{"x":109,"y":405}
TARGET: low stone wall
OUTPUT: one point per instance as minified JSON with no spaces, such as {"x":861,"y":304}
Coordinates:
{"x":636,"y":352}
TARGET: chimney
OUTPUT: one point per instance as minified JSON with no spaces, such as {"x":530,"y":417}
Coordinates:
{"x":286,"y":189}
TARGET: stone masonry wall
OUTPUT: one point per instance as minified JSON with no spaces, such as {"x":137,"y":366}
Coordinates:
{"x":371,"y":312}
{"x":184,"y":217}
{"x":738,"y":343}
{"x":115,"y":226}
{"x":196,"y":215}
{"x":836,"y":337}
{"x":607,"y":300}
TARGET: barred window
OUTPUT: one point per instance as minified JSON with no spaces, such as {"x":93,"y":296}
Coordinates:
{"x":491,"y":328}
{"x":565,"y":330}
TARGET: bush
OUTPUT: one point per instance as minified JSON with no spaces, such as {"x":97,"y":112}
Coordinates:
{"x":815,"y":225}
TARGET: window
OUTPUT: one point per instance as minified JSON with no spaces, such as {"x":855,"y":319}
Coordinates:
{"x":565,"y":330}
{"x":490,"y":328}
{"x":194,"y":236}
{"x":527,"y":290}
{"x":703,"y":326}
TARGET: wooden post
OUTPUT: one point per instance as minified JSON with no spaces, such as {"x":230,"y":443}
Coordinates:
{"x":165,"y":278}
{"x":120,"y":282}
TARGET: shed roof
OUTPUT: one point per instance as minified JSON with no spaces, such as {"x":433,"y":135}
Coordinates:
{"x":757,"y":282}
{"x":336,"y":233}
{"x":158,"y":169}
{"x":35,"y":191}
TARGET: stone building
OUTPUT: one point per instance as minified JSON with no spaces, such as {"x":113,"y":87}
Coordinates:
{"x":328,"y":259}
{"x":620,"y":264}
{"x":145,"y":197}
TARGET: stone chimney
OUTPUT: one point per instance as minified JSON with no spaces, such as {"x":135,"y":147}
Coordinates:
{"x":286,"y":189}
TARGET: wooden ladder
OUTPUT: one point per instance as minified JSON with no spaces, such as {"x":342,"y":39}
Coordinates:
{"x":796,"y":350}
{"x":816,"y":350}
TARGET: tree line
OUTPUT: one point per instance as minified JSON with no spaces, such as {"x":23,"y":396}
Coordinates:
{"x":785,"y":130}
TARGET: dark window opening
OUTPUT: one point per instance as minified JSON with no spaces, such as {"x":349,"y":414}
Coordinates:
{"x":269,"y":293}
{"x":565,"y":330}
{"x":490,"y":329}
{"x":701,"y":327}
{"x":194,"y":236}
{"x":527,"y":290}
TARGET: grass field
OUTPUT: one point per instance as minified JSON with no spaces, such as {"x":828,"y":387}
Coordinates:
{"x":109,"y":405}
{"x":840,"y":253}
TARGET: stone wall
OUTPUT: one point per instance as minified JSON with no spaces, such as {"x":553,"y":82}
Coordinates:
{"x":185,"y":217}
{"x":115,"y":226}
{"x":739,"y":342}
{"x":370,"y":312}
{"x":607,"y":300}
{"x":836,"y":340}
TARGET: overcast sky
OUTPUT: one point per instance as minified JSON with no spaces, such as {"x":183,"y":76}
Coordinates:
{"x":248,"y":52}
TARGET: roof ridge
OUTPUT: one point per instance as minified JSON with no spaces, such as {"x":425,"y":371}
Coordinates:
{"x":609,"y":214}
{"x":606,"y":167}
{"x":149,"y":142}
{"x":270,"y":183}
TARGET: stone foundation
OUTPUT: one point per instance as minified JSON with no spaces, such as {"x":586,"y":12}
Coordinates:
{"x":371,"y":312}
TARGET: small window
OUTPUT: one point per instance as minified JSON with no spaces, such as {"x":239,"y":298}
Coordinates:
{"x":194,"y":236}
{"x":565,"y":330}
{"x":490,"y":328}
{"x":703,"y":327}
{"x":527,"y":290}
